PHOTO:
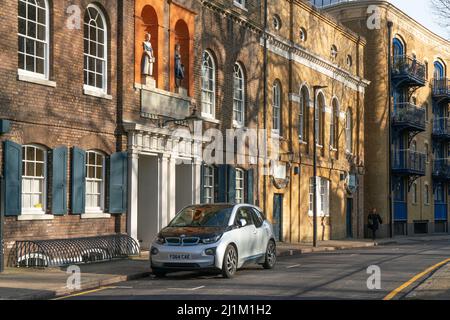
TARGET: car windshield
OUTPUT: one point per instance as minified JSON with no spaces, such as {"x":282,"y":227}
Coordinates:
{"x":203,"y":216}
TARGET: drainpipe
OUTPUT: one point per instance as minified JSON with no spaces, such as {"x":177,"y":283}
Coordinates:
{"x":1,"y":223}
{"x":391,"y":211}
{"x":265,"y":101}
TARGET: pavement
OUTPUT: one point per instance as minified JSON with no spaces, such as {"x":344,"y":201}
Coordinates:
{"x":32,"y":283}
{"x":434,"y":287}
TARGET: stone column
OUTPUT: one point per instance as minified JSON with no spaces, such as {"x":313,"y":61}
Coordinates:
{"x":133,"y":176}
{"x":196,"y":181}
{"x":172,"y":197}
{"x":163,"y":190}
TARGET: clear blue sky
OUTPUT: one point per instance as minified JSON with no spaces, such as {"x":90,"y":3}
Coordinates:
{"x":422,"y":12}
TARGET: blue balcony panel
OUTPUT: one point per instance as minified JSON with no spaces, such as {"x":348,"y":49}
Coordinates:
{"x":408,"y":163}
{"x":408,"y":71}
{"x":407,"y":116}
{"x":441,"y":90}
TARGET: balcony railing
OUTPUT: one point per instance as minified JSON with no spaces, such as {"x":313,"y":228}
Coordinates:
{"x":441,"y":128}
{"x":408,"y":162}
{"x":408,"y":70}
{"x":441,"y":169}
{"x":409,"y":116}
{"x":441,"y":88}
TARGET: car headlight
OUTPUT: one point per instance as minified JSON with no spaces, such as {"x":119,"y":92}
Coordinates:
{"x":160,"y":239}
{"x":211,"y":239}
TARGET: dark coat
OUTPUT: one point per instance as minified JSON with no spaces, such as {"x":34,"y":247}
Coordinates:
{"x":374,"y":221}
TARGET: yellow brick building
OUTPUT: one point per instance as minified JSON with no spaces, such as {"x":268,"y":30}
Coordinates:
{"x":410,"y":61}
{"x":305,"y":49}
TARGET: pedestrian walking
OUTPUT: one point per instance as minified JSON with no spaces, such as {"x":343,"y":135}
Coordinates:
{"x":374,"y":221}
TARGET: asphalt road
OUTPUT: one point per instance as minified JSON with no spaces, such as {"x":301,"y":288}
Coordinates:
{"x":330,"y":275}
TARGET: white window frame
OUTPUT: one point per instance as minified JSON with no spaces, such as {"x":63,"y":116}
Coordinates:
{"x":238,"y":102}
{"x":46,"y":42}
{"x":240,"y":3}
{"x":240,"y":185}
{"x":101,"y":208}
{"x":276,"y":108}
{"x":208,"y":62}
{"x":349,"y":131}
{"x":88,"y":88}
{"x":208,"y":175}
{"x":322,"y":197}
{"x":43,"y":180}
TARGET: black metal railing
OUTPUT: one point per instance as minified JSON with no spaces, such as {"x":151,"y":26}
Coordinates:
{"x":409,"y":115}
{"x":441,"y":127}
{"x":441,"y":87}
{"x":408,"y":162}
{"x":441,"y":169}
{"x":63,"y":252}
{"x":408,"y":66}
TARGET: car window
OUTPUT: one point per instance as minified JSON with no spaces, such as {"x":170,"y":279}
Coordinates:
{"x":203,"y":216}
{"x":244,"y":213}
{"x":257,"y":219}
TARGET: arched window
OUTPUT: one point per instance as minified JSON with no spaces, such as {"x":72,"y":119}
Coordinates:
{"x":439,"y":70}
{"x":349,"y":131}
{"x":208,"y":85}
{"x":304,"y":114}
{"x":334,"y":124}
{"x":276,"y":107}
{"x":333,"y":52}
{"x":414,"y":193}
{"x":95,"y":183}
{"x":238,"y":95}
{"x":34,"y":175}
{"x":240,"y":185}
{"x":320,"y":119}
{"x":398,"y":48}
{"x":33,"y":36}
{"x":426,"y":194}
{"x":95,"y":49}
{"x":276,"y":22}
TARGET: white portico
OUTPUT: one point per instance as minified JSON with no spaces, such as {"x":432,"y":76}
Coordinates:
{"x":164,"y":176}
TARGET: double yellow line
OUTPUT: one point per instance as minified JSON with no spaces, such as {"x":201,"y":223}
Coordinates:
{"x":396,"y":291}
{"x":83,"y":293}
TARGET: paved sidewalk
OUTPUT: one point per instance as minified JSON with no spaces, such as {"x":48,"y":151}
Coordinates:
{"x":436,"y":287}
{"x":22,"y":283}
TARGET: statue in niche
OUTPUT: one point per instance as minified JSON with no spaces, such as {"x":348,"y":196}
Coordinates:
{"x":149,"y":57}
{"x":179,"y":67}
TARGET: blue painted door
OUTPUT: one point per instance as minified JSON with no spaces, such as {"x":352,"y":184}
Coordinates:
{"x":349,"y":217}
{"x":440,"y":204}
{"x":400,"y":207}
{"x":277,"y":219}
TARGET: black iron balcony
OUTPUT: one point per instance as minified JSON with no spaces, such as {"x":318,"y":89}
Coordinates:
{"x":441,"y":89}
{"x":408,"y":71}
{"x":441,"y":128}
{"x":408,"y":162}
{"x":441,"y":169}
{"x":408,"y":116}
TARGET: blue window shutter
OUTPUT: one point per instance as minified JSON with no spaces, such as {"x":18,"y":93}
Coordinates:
{"x":78,"y":181}
{"x":249,"y":186}
{"x":118,"y":182}
{"x":231,"y":184}
{"x":221,"y":183}
{"x":13,"y":178}
{"x":59,"y":181}
{"x":202,"y":183}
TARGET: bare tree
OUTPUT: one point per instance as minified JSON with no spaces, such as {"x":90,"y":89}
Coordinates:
{"x":441,"y":9}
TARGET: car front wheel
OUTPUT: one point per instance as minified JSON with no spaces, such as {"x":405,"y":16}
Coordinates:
{"x":158,"y":273}
{"x":271,"y":255}
{"x":230,"y":260}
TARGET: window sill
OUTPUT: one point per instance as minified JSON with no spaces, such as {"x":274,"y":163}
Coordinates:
{"x":89,"y":91}
{"x":303,"y":142}
{"x":240,"y":6}
{"x":29,"y":77}
{"x":34,"y":216}
{"x":95,"y":215}
{"x":237,"y":125}
{"x":209,"y":118}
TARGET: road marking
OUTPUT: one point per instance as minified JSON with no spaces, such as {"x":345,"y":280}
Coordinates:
{"x":187,"y":289}
{"x":396,"y":291}
{"x":295,"y":265}
{"x":83,"y":293}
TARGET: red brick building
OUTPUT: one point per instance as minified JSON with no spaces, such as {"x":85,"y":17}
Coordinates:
{"x":58,"y":69}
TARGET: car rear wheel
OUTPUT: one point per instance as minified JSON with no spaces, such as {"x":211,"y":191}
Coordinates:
{"x":230,"y":260}
{"x":271,"y":255}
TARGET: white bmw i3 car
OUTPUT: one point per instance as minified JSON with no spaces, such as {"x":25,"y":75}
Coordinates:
{"x":221,"y":237}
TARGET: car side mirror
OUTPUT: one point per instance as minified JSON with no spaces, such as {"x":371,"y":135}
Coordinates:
{"x":242,"y":223}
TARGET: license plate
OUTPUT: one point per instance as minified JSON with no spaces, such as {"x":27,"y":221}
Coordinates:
{"x":176,"y":256}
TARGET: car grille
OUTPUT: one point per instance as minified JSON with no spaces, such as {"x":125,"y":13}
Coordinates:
{"x":182,"y":265}
{"x":185,"y":241}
